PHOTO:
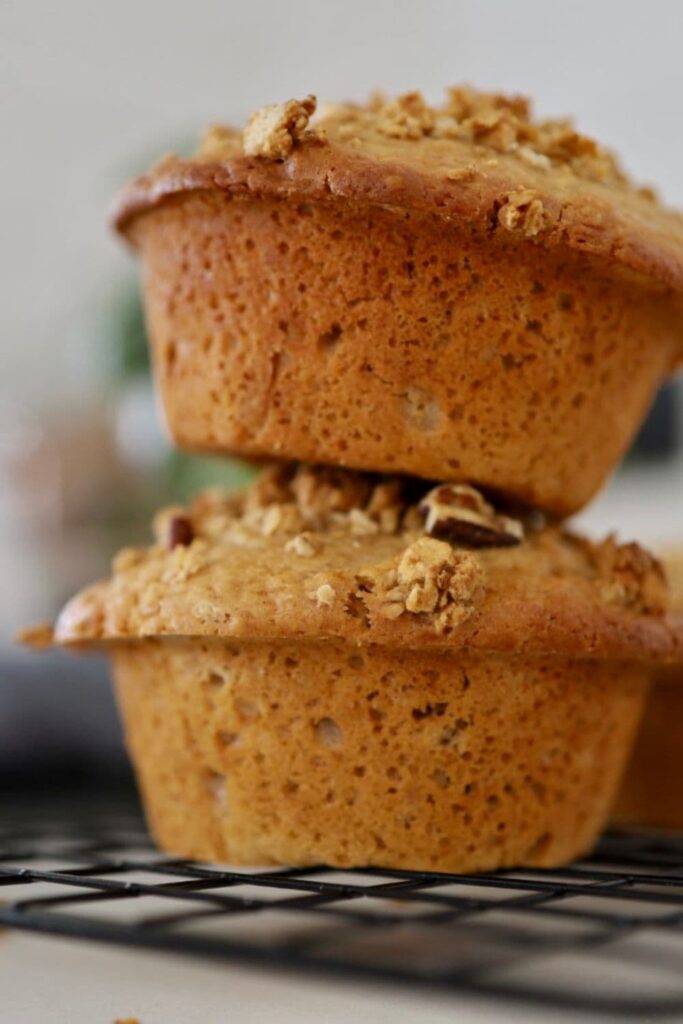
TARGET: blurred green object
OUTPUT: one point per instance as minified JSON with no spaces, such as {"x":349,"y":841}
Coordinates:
{"x":188,"y":474}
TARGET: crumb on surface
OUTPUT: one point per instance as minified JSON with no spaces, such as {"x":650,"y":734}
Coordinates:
{"x":302,"y":545}
{"x":39,"y":637}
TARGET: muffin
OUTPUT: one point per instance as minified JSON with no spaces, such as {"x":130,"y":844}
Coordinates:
{"x":341,"y":668}
{"x":460,"y":293}
{"x":652,"y":791}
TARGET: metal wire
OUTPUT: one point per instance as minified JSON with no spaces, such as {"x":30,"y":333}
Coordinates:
{"x":604,"y":935}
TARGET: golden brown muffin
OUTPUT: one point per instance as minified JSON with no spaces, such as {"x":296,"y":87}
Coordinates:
{"x":459,"y":293}
{"x":334,"y":667}
{"x":652,"y":790}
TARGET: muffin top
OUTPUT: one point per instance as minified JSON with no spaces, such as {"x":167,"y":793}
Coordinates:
{"x":480,"y":158}
{"x":322,"y":553}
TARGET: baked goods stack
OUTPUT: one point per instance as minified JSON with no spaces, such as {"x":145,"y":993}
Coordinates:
{"x":445,"y":326}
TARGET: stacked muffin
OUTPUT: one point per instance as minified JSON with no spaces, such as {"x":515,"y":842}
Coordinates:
{"x":446,"y":325}
{"x":652,"y":791}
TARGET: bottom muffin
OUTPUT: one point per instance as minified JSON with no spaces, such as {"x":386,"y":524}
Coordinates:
{"x":652,"y":791}
{"x":331,"y":668}
{"x":305,"y":753}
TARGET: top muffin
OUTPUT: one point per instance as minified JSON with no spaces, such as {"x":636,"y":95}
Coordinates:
{"x":540,"y":178}
{"x":457,"y":293}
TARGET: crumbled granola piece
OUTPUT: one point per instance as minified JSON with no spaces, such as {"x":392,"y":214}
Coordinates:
{"x":387,"y":504}
{"x":321,"y":490}
{"x":302,"y":545}
{"x":460,"y":513}
{"x":151,"y":598}
{"x":324,"y":596}
{"x":446,"y":127}
{"x":649,"y":193}
{"x":210,"y":611}
{"x":127,"y":558}
{"x":631,"y":576}
{"x":385,"y":495}
{"x":39,"y":637}
{"x":461,"y":173}
{"x":413,"y":520}
{"x":272,"y":131}
{"x":393,"y":609}
{"x":523,"y":211}
{"x":361,"y":523}
{"x":493,"y":127}
{"x":431,"y":578}
{"x":272,"y":518}
{"x":406,"y":117}
{"x":534,"y":158}
{"x":389,"y":520}
{"x":185,"y":561}
{"x":430,"y":569}
{"x":271,"y":487}
{"x":465,"y":102}
{"x":269,"y":520}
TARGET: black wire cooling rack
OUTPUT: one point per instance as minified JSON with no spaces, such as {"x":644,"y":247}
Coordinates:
{"x":603,"y":935}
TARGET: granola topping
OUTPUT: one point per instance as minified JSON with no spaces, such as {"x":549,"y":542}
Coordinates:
{"x":248,"y":573}
{"x":272,"y":131}
{"x":502,"y":123}
{"x":434,"y":570}
{"x":431,"y":578}
{"x":406,"y":117}
{"x":631,"y":576}
{"x":362,"y":525}
{"x":303,"y":545}
{"x":460,"y":513}
{"x":489,"y":121}
{"x":321,"y":496}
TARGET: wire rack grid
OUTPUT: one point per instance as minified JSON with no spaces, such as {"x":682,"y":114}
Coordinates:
{"x":604,"y":935}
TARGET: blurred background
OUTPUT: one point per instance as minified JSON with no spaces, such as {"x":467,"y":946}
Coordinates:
{"x":90,"y":95}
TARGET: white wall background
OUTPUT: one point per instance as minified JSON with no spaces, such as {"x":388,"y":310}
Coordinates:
{"x":90,"y":91}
